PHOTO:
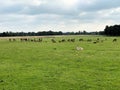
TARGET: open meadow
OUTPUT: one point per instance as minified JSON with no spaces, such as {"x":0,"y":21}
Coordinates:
{"x":60,"y":63}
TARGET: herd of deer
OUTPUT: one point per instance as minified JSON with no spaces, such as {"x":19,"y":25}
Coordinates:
{"x":60,"y":41}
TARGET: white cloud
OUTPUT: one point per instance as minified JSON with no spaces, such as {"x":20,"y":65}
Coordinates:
{"x":66,"y":15}
{"x":69,"y":3}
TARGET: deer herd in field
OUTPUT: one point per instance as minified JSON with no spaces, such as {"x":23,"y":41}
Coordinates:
{"x":53,"y":40}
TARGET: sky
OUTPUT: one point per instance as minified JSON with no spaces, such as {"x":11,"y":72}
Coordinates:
{"x":58,"y":15}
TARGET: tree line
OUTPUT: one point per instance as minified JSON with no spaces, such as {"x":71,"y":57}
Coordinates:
{"x":112,"y":30}
{"x":45,"y":33}
{"x":109,"y":31}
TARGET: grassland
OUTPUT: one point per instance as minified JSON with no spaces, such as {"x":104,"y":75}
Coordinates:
{"x":59,"y":66}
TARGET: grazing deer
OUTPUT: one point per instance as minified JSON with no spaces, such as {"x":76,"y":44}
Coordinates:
{"x":114,"y":40}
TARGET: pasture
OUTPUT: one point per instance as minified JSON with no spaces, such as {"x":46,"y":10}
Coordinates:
{"x":47,"y":65}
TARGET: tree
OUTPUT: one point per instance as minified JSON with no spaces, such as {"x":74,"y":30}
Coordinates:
{"x":112,"y":30}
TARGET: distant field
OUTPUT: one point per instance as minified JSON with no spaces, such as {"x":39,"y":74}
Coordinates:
{"x":47,"y":65}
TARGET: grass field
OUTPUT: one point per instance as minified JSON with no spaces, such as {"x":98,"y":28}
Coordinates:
{"x":59,"y":66}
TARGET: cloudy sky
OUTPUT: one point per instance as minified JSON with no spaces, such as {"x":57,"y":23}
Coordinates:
{"x":58,"y":15}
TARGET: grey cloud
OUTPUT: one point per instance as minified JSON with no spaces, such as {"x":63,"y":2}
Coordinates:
{"x":53,"y":7}
{"x":10,"y":9}
{"x":101,"y":5}
{"x":52,"y":12}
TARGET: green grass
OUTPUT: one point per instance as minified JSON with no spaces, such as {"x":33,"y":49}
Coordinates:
{"x":59,"y":66}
